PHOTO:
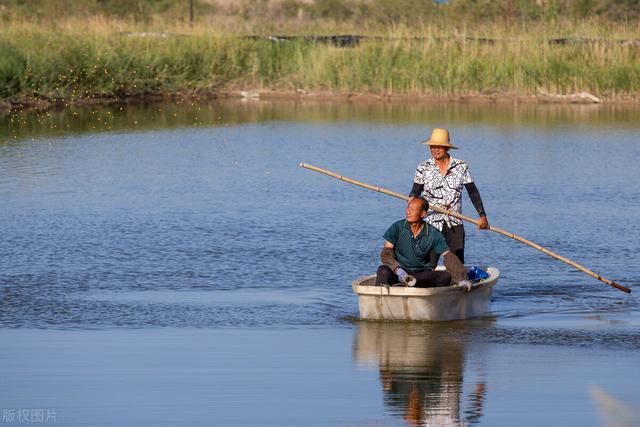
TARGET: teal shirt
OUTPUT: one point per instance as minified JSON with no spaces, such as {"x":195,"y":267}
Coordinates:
{"x":413,"y":252}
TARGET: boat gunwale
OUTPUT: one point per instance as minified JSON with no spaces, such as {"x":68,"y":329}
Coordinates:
{"x":404,"y":291}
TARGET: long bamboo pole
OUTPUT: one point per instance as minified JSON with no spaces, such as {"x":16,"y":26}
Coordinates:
{"x":466,"y":218}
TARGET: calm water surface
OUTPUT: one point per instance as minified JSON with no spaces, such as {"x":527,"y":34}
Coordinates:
{"x":172,"y":265}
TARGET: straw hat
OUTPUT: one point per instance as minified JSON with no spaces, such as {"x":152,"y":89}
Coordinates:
{"x":439,"y":138}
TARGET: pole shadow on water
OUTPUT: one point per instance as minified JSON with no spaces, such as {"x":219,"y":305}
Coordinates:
{"x":422,"y":368}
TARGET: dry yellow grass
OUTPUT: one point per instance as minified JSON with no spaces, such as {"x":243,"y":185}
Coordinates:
{"x":91,"y":58}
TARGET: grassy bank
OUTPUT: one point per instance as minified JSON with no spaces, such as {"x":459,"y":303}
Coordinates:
{"x":78,"y":60}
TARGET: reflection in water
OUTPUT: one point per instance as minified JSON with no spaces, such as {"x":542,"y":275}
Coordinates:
{"x":422,"y":369}
{"x":114,"y":224}
{"x":22,"y":124}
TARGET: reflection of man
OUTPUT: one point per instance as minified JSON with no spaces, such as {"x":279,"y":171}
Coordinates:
{"x":429,"y":392}
{"x":406,"y":256}
{"x":440,"y":180}
{"x":422,"y":373}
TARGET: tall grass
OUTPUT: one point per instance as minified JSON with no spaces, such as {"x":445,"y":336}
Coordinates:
{"x":75,"y":60}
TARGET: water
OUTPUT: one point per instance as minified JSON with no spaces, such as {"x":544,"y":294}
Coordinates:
{"x":126,"y":228}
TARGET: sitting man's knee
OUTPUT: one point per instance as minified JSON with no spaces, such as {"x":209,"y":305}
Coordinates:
{"x":383,"y":275}
{"x":383,"y":269}
{"x":444,"y":279}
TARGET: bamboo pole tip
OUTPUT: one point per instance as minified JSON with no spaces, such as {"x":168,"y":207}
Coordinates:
{"x":619,"y":286}
{"x":301,"y":164}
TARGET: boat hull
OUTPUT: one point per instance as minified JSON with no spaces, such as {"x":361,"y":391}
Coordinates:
{"x":432,"y":304}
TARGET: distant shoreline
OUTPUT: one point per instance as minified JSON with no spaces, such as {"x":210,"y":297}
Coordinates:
{"x":103,"y":62}
{"x":271,"y":95}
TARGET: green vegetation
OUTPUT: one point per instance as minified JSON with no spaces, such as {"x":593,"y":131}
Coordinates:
{"x":408,"y":12}
{"x":95,"y":52}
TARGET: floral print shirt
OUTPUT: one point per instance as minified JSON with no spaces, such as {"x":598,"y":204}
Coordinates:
{"x":443,"y":190}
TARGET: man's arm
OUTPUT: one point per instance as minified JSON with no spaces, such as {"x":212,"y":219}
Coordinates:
{"x":474,"y":195}
{"x":454,"y":266}
{"x":451,"y":261}
{"x":388,"y":257}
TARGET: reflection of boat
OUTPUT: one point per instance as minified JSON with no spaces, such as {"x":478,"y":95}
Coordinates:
{"x":404,"y":303}
{"x":422,"y":371}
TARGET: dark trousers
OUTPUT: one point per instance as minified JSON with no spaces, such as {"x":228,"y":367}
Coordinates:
{"x":424,"y":279}
{"x":455,"y":240}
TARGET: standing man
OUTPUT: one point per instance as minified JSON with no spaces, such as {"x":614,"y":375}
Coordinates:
{"x":440,"y":180}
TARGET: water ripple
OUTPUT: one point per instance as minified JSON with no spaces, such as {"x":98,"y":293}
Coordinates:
{"x":174,"y":228}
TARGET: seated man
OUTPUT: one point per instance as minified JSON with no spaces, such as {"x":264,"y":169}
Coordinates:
{"x":406,"y":253}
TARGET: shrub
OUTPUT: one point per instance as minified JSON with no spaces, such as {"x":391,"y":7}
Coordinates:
{"x":13,"y":67}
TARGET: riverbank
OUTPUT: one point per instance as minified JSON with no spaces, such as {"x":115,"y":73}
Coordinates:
{"x":582,"y":98}
{"x":102,"y":62}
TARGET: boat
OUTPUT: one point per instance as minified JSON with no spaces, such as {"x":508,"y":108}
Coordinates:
{"x":434,"y":304}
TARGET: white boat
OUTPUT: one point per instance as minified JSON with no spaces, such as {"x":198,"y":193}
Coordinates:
{"x":408,"y":303}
